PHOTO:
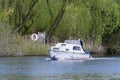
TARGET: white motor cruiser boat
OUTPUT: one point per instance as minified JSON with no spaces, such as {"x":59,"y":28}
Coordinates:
{"x":70,"y":50}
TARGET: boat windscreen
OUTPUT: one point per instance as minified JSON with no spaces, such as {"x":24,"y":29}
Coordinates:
{"x":72,"y":41}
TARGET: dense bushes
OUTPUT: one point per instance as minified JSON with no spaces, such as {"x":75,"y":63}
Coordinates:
{"x":12,"y":44}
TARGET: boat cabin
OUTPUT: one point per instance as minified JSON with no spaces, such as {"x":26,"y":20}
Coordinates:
{"x":68,"y":47}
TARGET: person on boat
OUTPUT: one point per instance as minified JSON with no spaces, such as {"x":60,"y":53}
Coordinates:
{"x":81,"y":42}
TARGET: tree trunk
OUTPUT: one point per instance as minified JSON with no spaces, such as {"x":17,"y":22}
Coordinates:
{"x":23,"y":17}
{"x":55,"y":24}
{"x":10,"y":16}
{"x":3,"y":4}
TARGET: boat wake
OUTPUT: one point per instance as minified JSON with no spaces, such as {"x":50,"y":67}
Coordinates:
{"x":101,"y":58}
{"x":47,"y":59}
{"x":105,"y":58}
{"x":64,"y":60}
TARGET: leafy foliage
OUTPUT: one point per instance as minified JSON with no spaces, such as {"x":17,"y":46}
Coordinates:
{"x":96,"y":21}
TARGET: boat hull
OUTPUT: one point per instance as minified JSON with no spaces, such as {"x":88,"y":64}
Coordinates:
{"x":64,"y":55}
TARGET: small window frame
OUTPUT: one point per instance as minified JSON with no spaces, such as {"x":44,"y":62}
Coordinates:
{"x":63,"y":44}
{"x":76,"y":48}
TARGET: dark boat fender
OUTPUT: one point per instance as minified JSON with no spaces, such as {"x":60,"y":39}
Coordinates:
{"x":53,"y":58}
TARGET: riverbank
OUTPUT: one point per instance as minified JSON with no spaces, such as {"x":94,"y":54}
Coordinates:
{"x":15,"y":45}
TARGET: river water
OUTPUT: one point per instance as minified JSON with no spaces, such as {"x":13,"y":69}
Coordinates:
{"x":41,"y":68}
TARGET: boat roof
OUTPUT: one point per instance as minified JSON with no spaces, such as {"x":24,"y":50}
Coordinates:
{"x":72,"y":42}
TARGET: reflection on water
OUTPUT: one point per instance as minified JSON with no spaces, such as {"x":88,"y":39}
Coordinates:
{"x":41,"y":68}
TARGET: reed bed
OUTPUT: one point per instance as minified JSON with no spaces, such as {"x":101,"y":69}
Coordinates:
{"x":15,"y":45}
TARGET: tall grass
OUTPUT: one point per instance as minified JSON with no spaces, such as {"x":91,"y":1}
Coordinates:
{"x":31,"y":48}
{"x":15,"y":45}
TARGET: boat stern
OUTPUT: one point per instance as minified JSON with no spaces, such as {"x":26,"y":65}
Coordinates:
{"x":52,"y":55}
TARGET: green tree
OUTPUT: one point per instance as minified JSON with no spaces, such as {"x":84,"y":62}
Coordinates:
{"x":23,"y":15}
{"x":57,"y":20}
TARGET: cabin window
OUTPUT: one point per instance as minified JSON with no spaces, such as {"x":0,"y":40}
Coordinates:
{"x":76,"y":48}
{"x":55,"y":48}
{"x":63,"y":44}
